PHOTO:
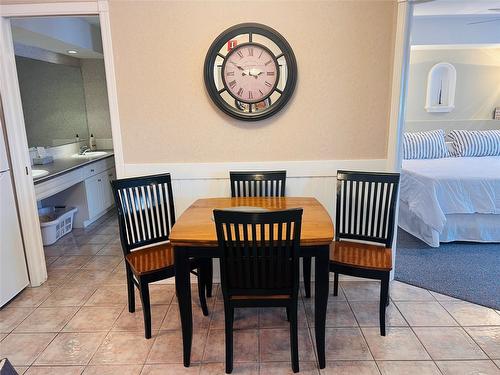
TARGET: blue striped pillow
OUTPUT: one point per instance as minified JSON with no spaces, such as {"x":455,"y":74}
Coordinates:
{"x":475,"y":142}
{"x":425,"y":145}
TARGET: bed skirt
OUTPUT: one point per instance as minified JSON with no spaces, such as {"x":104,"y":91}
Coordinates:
{"x":458,"y":227}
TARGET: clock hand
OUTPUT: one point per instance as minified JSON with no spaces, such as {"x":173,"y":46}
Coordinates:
{"x":239,"y":67}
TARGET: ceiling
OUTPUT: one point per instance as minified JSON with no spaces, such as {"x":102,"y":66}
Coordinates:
{"x":456,"y":8}
{"x":60,"y":35}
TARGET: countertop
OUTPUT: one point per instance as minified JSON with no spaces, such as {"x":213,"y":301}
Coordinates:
{"x":64,"y":165}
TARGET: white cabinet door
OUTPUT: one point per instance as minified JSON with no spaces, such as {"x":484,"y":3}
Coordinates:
{"x":95,"y":202}
{"x":108,"y":192}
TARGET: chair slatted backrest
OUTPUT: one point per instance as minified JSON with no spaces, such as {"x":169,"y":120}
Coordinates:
{"x":145,"y":209}
{"x":260,"y":252}
{"x":366,"y":204}
{"x":258,"y":184}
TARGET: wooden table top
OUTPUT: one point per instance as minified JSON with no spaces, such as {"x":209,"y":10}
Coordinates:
{"x":195,"y":227}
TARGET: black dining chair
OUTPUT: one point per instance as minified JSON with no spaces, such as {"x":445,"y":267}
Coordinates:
{"x":259,"y":266}
{"x":146,"y":215}
{"x":366,"y":205}
{"x":266,"y":184}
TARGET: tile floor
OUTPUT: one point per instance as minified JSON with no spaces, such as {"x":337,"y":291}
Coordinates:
{"x":78,"y":323}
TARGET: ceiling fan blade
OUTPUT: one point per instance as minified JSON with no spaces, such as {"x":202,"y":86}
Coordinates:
{"x":486,"y":21}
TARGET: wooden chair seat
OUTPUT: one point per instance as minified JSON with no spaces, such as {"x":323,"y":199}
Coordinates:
{"x":151,"y":259}
{"x":361,"y":255}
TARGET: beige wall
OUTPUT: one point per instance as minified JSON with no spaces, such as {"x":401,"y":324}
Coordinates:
{"x":340,"y":108}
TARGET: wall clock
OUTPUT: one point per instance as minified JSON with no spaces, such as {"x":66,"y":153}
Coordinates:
{"x":250,"y":71}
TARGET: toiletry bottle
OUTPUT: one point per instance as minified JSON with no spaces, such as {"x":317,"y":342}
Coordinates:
{"x":77,"y":139}
{"x":92,"y":142}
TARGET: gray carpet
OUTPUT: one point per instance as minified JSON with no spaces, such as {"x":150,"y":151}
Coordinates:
{"x":465,"y":270}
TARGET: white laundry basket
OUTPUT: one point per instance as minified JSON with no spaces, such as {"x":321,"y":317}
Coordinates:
{"x":55,"y":222}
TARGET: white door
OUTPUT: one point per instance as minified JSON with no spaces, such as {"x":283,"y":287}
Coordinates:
{"x":4,"y":163}
{"x":13,"y":270}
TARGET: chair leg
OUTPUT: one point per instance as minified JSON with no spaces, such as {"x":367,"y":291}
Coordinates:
{"x":306,"y":270}
{"x":384,"y":292}
{"x":201,"y":287}
{"x":294,"y":339}
{"x":288,"y":314}
{"x":229,"y":317}
{"x":209,"y":277}
{"x":388,"y":295}
{"x":146,"y":308}
{"x":335,"y":284}
{"x":130,"y":290}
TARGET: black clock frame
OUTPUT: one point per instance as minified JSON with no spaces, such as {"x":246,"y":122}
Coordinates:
{"x":286,"y":52}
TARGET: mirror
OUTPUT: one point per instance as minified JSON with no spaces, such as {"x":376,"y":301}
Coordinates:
{"x":62,"y":80}
{"x":53,"y":100}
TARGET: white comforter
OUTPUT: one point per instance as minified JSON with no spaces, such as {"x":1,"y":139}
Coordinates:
{"x":434,"y":188}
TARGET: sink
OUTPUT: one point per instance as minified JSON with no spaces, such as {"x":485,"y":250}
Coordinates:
{"x":91,"y":154}
{"x":36,"y":173}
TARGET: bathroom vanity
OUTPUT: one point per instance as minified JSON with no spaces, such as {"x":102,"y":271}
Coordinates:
{"x":81,"y":181}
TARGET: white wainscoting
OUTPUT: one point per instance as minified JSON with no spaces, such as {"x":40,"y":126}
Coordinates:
{"x":191,"y":181}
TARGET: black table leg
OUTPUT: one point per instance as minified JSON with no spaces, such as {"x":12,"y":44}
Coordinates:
{"x":321,"y":300}
{"x":183,"y":291}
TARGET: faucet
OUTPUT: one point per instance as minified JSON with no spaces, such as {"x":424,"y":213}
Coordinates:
{"x":84,"y":150}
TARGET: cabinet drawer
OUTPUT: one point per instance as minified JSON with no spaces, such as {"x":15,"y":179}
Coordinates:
{"x":98,"y":167}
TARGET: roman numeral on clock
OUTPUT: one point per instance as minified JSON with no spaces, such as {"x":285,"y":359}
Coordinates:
{"x":240,"y":54}
{"x":261,"y":93}
{"x":240,"y":92}
{"x":268,"y":84}
{"x":268,"y":62}
{"x":250,"y":95}
{"x":270,"y":73}
{"x":250,"y":51}
{"x":232,"y":84}
{"x":230,"y":73}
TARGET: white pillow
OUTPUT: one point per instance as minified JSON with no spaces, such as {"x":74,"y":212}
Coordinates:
{"x":475,"y":142}
{"x":425,"y":145}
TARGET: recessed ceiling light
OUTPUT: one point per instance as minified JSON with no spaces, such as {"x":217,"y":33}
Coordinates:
{"x":72,"y":52}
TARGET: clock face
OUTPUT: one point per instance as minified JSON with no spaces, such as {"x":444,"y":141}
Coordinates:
{"x":250,"y":71}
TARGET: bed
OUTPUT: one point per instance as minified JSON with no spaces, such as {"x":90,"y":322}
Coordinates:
{"x":451,"y":199}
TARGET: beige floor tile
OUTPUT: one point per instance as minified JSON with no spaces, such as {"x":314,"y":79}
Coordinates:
{"x":71,"y":349}
{"x":167,"y":348}
{"x":71,"y":296}
{"x":172,"y":369}
{"x":116,"y":277}
{"x":275,"y":317}
{"x":123,"y":348}
{"x":135,"y":321}
{"x":399,"y":344}
{"x":448,"y":343}
{"x":162,"y":294}
{"x":93,"y":319}
{"x":331,"y":297}
{"x":71,"y":261}
{"x":111,"y":249}
{"x":488,"y":338}
{"x":285,"y":368}
{"x":408,"y":368}
{"x":245,"y":344}
{"x":404,"y":292}
{"x":107,"y":262}
{"x":93,"y":278}
{"x":109,"y":295}
{"x":54,"y":370}
{"x":11,"y":317}
{"x":98,"y":239}
{"x":442,"y":297}
{"x":468,"y":367}
{"x":23,"y":348}
{"x":32,"y":297}
{"x":21,"y":369}
{"x":275,"y":345}
{"x":47,"y":319}
{"x":350,"y":367}
{"x":469,"y":314}
{"x":54,"y":250}
{"x":49,"y":260}
{"x":2,"y":336}
{"x":113,"y":370}
{"x":425,"y":314}
{"x":497,"y":362}
{"x":361,"y":290}
{"x":338,"y":314}
{"x":57,"y":276}
{"x":367,"y":314}
{"x":87,"y":250}
{"x":200,"y":322}
{"x":346,"y":344}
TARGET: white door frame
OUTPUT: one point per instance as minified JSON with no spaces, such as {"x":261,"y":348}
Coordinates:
{"x":14,"y":119}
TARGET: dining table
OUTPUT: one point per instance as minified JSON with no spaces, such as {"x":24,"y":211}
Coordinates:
{"x":194,"y":236}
